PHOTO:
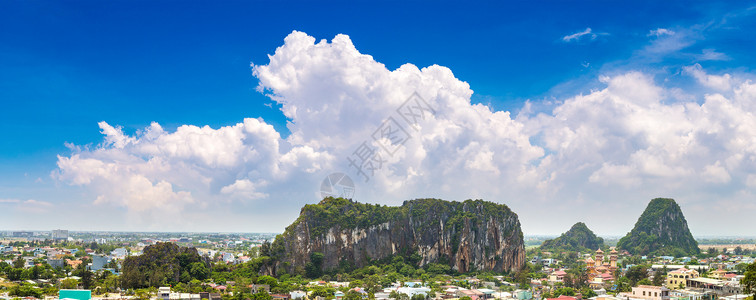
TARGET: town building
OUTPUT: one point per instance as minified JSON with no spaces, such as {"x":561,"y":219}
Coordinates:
{"x":75,"y":294}
{"x":60,"y":234}
{"x":647,"y":292}
{"x":678,"y":278}
{"x":600,"y":267}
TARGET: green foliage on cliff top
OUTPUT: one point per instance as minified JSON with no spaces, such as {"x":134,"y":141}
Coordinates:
{"x":660,"y":230}
{"x":344,"y":213}
{"x":578,"y":238}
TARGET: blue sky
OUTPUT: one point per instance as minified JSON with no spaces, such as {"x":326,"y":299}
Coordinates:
{"x":68,"y":65}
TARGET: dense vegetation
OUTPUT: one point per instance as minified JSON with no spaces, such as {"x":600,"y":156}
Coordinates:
{"x":660,"y":230}
{"x":162,"y":264}
{"x":344,"y":213}
{"x":332,"y":212}
{"x":749,"y":281}
{"x":578,"y":238}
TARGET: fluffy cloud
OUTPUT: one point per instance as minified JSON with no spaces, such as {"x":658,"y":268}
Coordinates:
{"x":157,"y":173}
{"x":630,"y":140}
{"x":720,"y":83}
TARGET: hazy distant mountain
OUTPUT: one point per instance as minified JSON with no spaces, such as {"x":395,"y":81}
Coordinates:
{"x":660,"y":230}
{"x":578,"y":238}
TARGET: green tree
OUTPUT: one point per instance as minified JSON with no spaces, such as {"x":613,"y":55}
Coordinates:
{"x":635,"y":274}
{"x":261,"y":295}
{"x":321,"y":291}
{"x":313,"y":269}
{"x":749,"y":281}
{"x":25,"y":290}
{"x":14,"y":274}
{"x":142,"y":294}
{"x":352,"y":295}
{"x":269,"y":280}
{"x":69,"y":283}
{"x":242,"y":290}
{"x":623,"y":285}
{"x":658,"y":278}
{"x":567,"y":291}
{"x":588,"y":293}
{"x":199,"y":271}
{"x":87,"y":279}
{"x":19,"y":263}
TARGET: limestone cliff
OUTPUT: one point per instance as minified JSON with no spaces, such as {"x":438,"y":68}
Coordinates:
{"x":660,"y":230}
{"x":469,"y":235}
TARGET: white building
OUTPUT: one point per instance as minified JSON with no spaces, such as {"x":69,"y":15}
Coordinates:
{"x":647,"y":292}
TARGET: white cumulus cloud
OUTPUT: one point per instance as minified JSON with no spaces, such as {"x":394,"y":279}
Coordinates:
{"x":613,"y":148}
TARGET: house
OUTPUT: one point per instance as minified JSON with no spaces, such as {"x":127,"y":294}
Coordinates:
{"x":719,"y":287}
{"x":563,"y":297}
{"x":647,"y":292}
{"x":298,"y":294}
{"x":686,"y":294}
{"x":120,"y":253}
{"x":209,"y":296}
{"x":487,"y":293}
{"x":549,"y":261}
{"x":99,"y":262}
{"x":5,"y":249}
{"x":557,"y":276}
{"x":164,"y":293}
{"x":227,"y":257}
{"x":523,"y":294}
{"x":28,"y":262}
{"x":220,"y":288}
{"x":56,"y":263}
{"x":75,"y":294}
{"x":73,"y":263}
{"x":735,"y":297}
{"x":678,"y":278}
{"x":411,"y":291}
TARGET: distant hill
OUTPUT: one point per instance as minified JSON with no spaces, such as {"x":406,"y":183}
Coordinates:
{"x":578,"y":238}
{"x":660,"y":230}
{"x":162,"y":264}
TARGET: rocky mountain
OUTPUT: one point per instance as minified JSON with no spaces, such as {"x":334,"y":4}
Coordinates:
{"x":469,"y":235}
{"x":578,"y":238}
{"x":660,"y":230}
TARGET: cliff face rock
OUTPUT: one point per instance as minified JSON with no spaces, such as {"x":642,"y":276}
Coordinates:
{"x":468,"y":235}
{"x":660,"y":230}
{"x":578,"y":238}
